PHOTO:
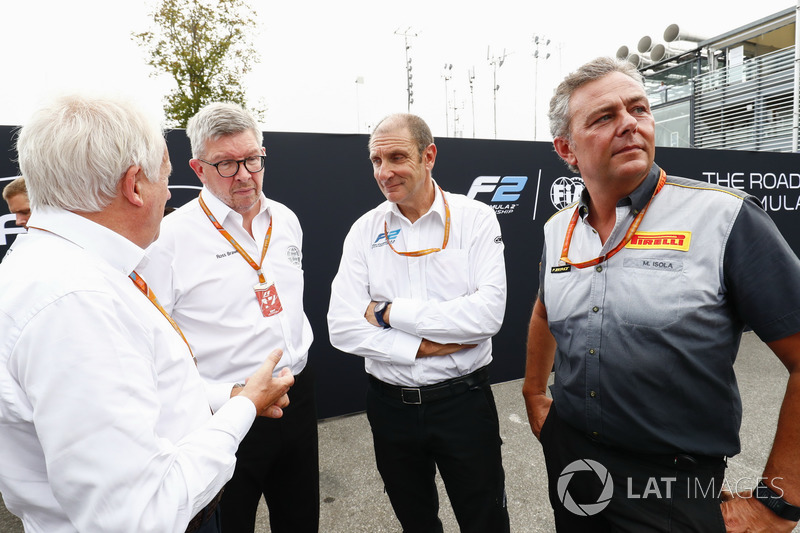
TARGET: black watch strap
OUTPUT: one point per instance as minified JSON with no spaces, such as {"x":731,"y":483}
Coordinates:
{"x":776,"y":503}
{"x":380,"y":309}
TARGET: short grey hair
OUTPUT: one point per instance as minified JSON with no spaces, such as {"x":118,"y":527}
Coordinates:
{"x":74,"y":151}
{"x":559,"y":113}
{"x":420,"y":132}
{"x":216,"y":120}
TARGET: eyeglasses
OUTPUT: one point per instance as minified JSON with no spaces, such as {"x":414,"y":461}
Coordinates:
{"x":230,"y":167}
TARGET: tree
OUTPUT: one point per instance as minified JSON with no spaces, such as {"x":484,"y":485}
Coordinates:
{"x":206,"y":46}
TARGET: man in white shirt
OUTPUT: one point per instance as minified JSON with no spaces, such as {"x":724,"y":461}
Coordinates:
{"x":227,"y":266}
{"x":421,"y":290}
{"x":104,"y":420}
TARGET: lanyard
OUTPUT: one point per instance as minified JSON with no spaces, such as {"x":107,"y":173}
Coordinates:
{"x":142,"y":285}
{"x":628,"y":234}
{"x":420,"y":253}
{"x":229,"y":237}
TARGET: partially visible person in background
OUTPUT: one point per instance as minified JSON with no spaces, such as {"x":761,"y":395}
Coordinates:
{"x":16,"y":196}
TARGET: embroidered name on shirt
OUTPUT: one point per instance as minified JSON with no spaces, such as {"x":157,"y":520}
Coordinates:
{"x":226,"y":254}
{"x":560,"y":269}
{"x":651,"y":240}
{"x":669,"y":265}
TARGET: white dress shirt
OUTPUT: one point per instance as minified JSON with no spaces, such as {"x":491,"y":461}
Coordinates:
{"x":207,"y":287}
{"x":104,"y":421}
{"x":457,"y":295}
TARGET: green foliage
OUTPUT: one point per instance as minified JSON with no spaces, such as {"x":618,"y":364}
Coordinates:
{"x":206,"y":47}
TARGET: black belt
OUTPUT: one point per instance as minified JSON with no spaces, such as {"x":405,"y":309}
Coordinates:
{"x":431,"y":393}
{"x":684,"y":461}
{"x":204,"y":515}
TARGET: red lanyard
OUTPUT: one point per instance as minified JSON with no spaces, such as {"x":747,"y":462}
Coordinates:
{"x":224,"y":232}
{"x":420,"y":253}
{"x":628,"y":234}
{"x":142,"y":285}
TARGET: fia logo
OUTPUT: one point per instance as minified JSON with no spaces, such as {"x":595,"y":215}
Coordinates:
{"x":565,"y":191}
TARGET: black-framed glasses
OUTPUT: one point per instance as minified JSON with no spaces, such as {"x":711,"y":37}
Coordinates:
{"x":228,"y":168}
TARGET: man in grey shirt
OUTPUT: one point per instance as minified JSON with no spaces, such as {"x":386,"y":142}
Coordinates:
{"x":646,"y":284}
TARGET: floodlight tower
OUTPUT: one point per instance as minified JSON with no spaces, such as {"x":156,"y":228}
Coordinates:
{"x":447,"y":73}
{"x":471,"y":75}
{"x":496,"y":63}
{"x":408,"y":33}
{"x":544,"y":53}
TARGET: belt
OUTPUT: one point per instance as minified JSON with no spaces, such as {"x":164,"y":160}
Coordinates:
{"x":684,"y":461}
{"x":431,"y":393}
{"x":204,"y":515}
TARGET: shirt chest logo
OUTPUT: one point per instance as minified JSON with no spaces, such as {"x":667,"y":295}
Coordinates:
{"x":661,"y":240}
{"x":380,"y":240}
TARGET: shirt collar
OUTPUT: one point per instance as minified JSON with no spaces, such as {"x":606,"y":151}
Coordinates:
{"x":222,"y":211}
{"x":110,"y":246}
{"x":637,"y":200}
{"x":437,"y":207}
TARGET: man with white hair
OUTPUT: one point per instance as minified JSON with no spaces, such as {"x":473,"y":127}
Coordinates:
{"x":104,"y":421}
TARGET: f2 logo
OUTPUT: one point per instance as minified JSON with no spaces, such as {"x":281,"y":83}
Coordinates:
{"x":507,"y":191}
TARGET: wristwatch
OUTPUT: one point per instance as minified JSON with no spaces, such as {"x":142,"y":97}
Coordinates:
{"x":776,"y":503}
{"x":380,"y":308}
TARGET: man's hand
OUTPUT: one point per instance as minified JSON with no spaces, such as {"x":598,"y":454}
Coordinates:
{"x":538,"y":407}
{"x":429,"y":348}
{"x":269,"y":394}
{"x":743,"y":514}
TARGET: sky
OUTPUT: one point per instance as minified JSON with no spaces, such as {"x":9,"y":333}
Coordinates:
{"x":311,"y":54}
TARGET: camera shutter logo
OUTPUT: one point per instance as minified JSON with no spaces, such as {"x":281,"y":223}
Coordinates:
{"x":585,"y":509}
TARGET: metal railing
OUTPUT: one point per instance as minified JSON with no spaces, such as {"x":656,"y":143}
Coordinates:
{"x":746,"y":107}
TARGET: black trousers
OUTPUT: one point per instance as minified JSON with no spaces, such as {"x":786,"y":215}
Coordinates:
{"x":459,"y":435}
{"x":594,"y":488}
{"x":278,"y":458}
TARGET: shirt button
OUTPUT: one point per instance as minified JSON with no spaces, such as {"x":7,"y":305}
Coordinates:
{"x":593,"y":394}
{"x":598,"y":268}
{"x":595,"y":434}
{"x":595,"y":309}
{"x":591,"y":351}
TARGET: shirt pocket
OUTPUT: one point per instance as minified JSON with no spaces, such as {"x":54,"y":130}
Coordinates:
{"x":653,"y":291}
{"x":447,"y":274}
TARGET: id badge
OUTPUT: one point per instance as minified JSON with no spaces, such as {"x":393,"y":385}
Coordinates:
{"x":268,"y":299}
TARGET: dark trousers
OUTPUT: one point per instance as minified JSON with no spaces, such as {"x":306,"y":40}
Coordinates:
{"x":594,"y":488}
{"x":213,"y":525}
{"x":460,"y":436}
{"x":278,"y":458}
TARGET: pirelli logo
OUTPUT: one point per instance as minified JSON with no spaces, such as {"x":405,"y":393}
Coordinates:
{"x":560,"y":269}
{"x":661,"y":240}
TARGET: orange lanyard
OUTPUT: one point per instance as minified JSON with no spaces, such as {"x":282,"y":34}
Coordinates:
{"x":142,"y":285}
{"x":628,"y":234}
{"x":420,"y":253}
{"x":229,"y":237}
